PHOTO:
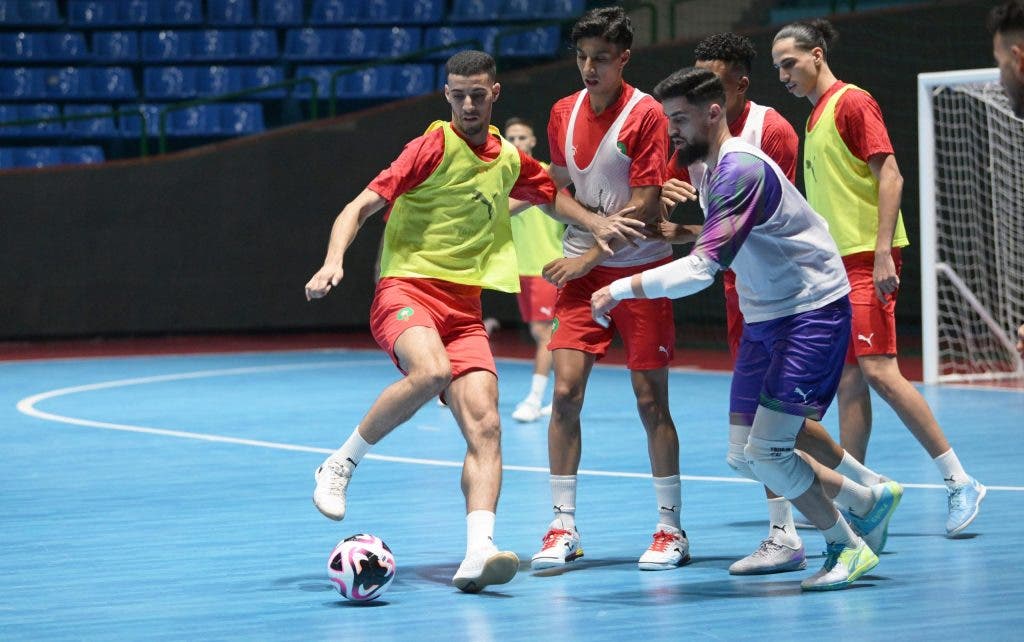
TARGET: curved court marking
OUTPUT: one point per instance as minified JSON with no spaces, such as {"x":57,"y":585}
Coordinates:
{"x":27,"y":406}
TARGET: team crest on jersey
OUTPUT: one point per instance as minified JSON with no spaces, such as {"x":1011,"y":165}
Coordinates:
{"x":621,"y":146}
{"x":554,"y":325}
{"x":404,"y":314}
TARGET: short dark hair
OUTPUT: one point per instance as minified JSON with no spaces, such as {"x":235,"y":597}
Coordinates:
{"x":609,"y":23}
{"x":1006,"y":17}
{"x":731,"y":48}
{"x":516,"y":120}
{"x":809,"y":34}
{"x":470,"y":63}
{"x":697,"y":86}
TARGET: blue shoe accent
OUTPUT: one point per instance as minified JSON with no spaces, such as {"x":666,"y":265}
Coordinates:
{"x":874,"y":527}
{"x":964,"y":504}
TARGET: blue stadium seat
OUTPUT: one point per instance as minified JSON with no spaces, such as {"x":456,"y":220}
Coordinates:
{"x":22,"y":83}
{"x":93,"y":13}
{"x":440,"y":36}
{"x":38,"y":12}
{"x":229,"y":12}
{"x":166,"y":45}
{"x":217,"y":80}
{"x":98,"y":127}
{"x":68,"y":46}
{"x":521,"y":9}
{"x":413,"y":80}
{"x":280,"y":13}
{"x":141,"y":13}
{"x":239,"y":119}
{"x":356,"y":44}
{"x":6,"y":157}
{"x":375,"y":82}
{"x":536,"y":43}
{"x":37,"y":156}
{"x":82,"y":155}
{"x":335,"y":12}
{"x":23,"y":47}
{"x":422,"y":11}
{"x":322,"y":75}
{"x":257,"y":44}
{"x":130,"y":125}
{"x":564,"y":8}
{"x":68,"y":83}
{"x":182,"y":12}
{"x":9,"y":14}
{"x":199,"y":120}
{"x":115,"y":46}
{"x":262,"y":76}
{"x":113,"y":83}
{"x":309,"y":44}
{"x":37,"y":111}
{"x":473,"y":11}
{"x":399,"y":41}
{"x":382,"y":12}
{"x":9,"y":114}
{"x":168,"y":83}
{"x":215,"y":44}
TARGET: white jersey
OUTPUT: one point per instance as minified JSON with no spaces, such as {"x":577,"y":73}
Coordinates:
{"x":788,"y":262}
{"x":603,"y":187}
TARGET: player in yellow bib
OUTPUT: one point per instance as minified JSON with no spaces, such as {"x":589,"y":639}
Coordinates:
{"x":447,"y":236}
{"x":538,"y":240}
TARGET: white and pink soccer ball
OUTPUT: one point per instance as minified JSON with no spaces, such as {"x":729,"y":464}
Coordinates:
{"x":361,"y":567}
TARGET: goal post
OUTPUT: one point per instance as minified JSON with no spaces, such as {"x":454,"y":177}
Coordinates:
{"x":971,"y":159}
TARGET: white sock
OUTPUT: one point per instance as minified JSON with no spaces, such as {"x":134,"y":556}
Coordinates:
{"x":854,"y":497}
{"x":952,"y":472}
{"x":841,"y":533}
{"x":352,"y":451}
{"x":669,"y":493}
{"x":479,"y":530}
{"x":537,"y":387}
{"x":563,"y":500}
{"x":780,"y":522}
{"x":858,"y":472}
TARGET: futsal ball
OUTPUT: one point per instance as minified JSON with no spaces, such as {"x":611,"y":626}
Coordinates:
{"x":361,"y":567}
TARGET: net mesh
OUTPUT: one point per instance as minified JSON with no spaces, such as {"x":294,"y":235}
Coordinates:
{"x":979,"y":156}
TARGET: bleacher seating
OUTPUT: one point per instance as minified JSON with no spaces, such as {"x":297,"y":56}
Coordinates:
{"x":66,"y":83}
{"x":38,"y":157}
{"x":96,"y":127}
{"x":474,"y":11}
{"x":471,"y":37}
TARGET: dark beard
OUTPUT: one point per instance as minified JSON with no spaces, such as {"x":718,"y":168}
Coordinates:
{"x":691,"y":153}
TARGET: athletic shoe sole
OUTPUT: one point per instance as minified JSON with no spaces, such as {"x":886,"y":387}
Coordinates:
{"x":797,"y":565}
{"x":652,"y":566}
{"x":499,"y":568}
{"x":542,"y":563}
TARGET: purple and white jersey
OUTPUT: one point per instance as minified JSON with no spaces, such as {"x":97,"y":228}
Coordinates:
{"x":760,"y":225}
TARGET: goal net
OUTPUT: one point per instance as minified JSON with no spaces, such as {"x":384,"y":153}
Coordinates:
{"x":972,"y":227}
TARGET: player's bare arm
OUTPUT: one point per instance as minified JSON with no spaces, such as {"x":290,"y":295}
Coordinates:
{"x":890,"y":191}
{"x":343,"y":232}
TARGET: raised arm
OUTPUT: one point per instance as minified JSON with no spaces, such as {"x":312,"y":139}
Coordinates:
{"x":344,"y":230}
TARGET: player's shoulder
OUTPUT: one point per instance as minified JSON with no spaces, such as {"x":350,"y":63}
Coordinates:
{"x":774,"y":120}
{"x":565,"y":105}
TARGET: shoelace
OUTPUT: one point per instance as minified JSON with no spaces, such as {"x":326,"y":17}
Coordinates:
{"x":832,"y":555}
{"x":552,"y":536}
{"x":339,"y":477}
{"x":957,"y":501}
{"x":662,"y":540}
{"x":767,"y":547}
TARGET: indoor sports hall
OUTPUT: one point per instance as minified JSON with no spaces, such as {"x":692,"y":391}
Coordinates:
{"x":169,"y":172}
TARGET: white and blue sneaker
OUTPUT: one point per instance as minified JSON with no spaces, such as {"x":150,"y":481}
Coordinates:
{"x":843,"y":566}
{"x":874,"y":526}
{"x":964,"y":504}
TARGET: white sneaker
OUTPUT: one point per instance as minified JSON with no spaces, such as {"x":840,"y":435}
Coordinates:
{"x":560,"y":547}
{"x":670,"y":549}
{"x":772,"y":556}
{"x":843,"y":566}
{"x":332,"y":479}
{"x":485,"y":566}
{"x":527,"y":411}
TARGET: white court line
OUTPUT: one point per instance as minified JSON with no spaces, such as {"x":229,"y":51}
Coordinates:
{"x":27,"y":405}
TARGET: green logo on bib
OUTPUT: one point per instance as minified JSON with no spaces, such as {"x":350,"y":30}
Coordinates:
{"x":621,"y":147}
{"x":404,"y":313}
{"x":554,"y":324}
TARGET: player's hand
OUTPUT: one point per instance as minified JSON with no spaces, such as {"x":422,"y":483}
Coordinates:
{"x":885,"y":277}
{"x":675,"y":191}
{"x":617,"y":227}
{"x":326,"y":278}
{"x":561,"y":271}
{"x":601,"y":303}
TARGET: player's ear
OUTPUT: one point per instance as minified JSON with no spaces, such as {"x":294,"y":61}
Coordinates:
{"x":447,"y":93}
{"x":1018,"y":54}
{"x":626,"y":56}
{"x":742,"y":84}
{"x":495,"y":90}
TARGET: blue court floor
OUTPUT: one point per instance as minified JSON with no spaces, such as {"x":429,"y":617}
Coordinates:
{"x":168,"y":498}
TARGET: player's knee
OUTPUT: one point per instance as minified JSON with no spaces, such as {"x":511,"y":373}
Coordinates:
{"x":777,"y":466}
{"x":735,"y":457}
{"x":567,"y":398}
{"x":433,"y":378}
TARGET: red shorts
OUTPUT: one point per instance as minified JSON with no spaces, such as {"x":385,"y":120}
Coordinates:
{"x":647,"y":326}
{"x":733,"y":316}
{"x":536,"y":299}
{"x":874,"y":325}
{"x":451,"y":309}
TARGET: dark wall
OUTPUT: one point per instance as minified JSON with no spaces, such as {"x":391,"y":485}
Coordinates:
{"x":223,"y":238}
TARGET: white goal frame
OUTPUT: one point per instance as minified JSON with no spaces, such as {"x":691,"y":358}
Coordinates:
{"x":930,"y":267}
